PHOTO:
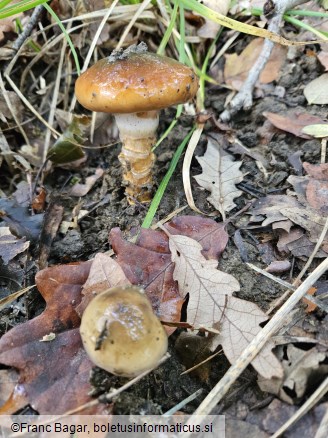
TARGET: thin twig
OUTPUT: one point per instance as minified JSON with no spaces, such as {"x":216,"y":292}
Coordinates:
{"x":255,"y":346}
{"x":28,"y":28}
{"x":315,"y":397}
{"x":244,"y":98}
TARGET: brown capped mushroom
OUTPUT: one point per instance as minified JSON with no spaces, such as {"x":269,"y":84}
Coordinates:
{"x":134,"y":85}
{"x":120,"y":332}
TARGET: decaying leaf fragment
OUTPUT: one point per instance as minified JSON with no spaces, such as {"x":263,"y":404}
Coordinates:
{"x":293,"y":122}
{"x":104,"y":273}
{"x":220,"y":176}
{"x":316,"y":91}
{"x":237,"y":67}
{"x":53,"y":376}
{"x":307,"y":207}
{"x":300,"y":368}
{"x":212,"y":306}
{"x":10,"y":246}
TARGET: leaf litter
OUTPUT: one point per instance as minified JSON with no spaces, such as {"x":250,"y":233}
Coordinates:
{"x":168,"y":268}
{"x":304,"y":209}
{"x":220,"y":176}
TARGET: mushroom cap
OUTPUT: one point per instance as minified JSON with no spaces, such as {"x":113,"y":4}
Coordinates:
{"x":135,"y":83}
{"x":120,"y":332}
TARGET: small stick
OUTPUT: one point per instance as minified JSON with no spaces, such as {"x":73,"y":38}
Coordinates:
{"x":323,"y":150}
{"x":251,"y":351}
{"x":315,"y":397}
{"x":28,"y":28}
{"x":244,"y":98}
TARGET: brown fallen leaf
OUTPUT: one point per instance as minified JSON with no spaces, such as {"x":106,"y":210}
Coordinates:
{"x":211,"y":304}
{"x":10,"y":246}
{"x":317,"y":187}
{"x":301,"y":367}
{"x":210,"y":29}
{"x":278,"y":266}
{"x":82,"y":189}
{"x":220,"y":176}
{"x":279,"y":208}
{"x":237,"y":66}
{"x":104,"y":273}
{"x":53,"y":376}
{"x":311,"y":307}
{"x":148,"y":263}
{"x":293,"y":122}
{"x":323,"y":58}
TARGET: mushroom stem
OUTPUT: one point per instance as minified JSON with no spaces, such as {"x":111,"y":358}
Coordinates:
{"x":138,"y":136}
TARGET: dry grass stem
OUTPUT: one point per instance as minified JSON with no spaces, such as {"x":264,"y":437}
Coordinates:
{"x":193,"y":142}
{"x":310,"y":402}
{"x":53,"y":105}
{"x":272,"y":277}
{"x":323,"y":150}
{"x":12,"y":111}
{"x":189,"y":370}
{"x":133,"y":19}
{"x":257,"y":344}
{"x":12,"y":297}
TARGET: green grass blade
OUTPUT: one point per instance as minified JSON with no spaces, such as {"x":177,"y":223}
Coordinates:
{"x":182,"y":53}
{"x":162,"y":187}
{"x":169,"y":29}
{"x":4,"y":3}
{"x":320,"y":34}
{"x":22,"y":6}
{"x":69,"y":41}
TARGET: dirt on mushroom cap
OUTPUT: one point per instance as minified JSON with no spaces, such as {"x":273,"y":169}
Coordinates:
{"x":120,"y":332}
{"x":139,"y":82}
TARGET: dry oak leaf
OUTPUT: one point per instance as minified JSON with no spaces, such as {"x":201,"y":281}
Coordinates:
{"x":211,"y":305}
{"x":53,"y":376}
{"x":237,"y":67}
{"x":104,"y":273}
{"x":206,"y":285}
{"x":148,"y":261}
{"x":279,"y":208}
{"x":293,"y":122}
{"x":220,"y":176}
{"x":316,"y":91}
{"x":301,"y":367}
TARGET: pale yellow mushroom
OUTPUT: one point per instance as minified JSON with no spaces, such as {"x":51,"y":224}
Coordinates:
{"x":121,"y":333}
